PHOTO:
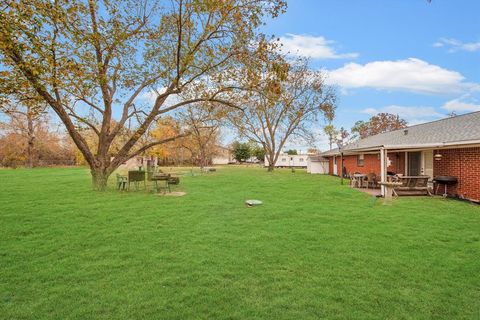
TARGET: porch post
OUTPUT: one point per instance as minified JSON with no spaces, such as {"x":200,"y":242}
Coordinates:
{"x":383,"y":171}
{"x":341,"y":171}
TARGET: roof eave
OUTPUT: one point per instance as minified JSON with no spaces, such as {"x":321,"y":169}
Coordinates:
{"x":404,"y":147}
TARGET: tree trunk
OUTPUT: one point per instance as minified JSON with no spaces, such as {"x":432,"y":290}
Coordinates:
{"x":99,"y":178}
{"x":30,"y":141}
{"x":271,"y":162}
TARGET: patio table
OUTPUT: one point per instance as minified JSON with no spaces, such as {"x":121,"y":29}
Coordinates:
{"x":358,"y":179}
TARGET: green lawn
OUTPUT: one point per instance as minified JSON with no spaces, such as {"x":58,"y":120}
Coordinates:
{"x":315,"y":249}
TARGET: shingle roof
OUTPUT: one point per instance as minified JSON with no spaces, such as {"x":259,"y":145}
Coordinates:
{"x":450,"y":131}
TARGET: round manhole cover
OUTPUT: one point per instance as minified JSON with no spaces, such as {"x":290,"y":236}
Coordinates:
{"x":253,"y":203}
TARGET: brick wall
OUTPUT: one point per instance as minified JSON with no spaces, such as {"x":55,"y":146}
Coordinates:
{"x":397,"y":160}
{"x":371,"y":164}
{"x":463,"y":163}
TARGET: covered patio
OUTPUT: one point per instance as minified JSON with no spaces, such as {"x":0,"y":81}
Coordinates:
{"x":378,"y":170}
{"x":442,"y":155}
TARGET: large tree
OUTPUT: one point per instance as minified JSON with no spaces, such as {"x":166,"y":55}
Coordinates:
{"x":380,"y":123}
{"x":241,"y":151}
{"x":289,"y":98}
{"x":203,"y":121}
{"x":92,"y":62}
{"x":331,"y":133}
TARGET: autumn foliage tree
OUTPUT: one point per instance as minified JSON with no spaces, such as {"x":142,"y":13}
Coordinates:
{"x":331,"y":132}
{"x":380,"y":123}
{"x":289,"y":98}
{"x":91,"y":61}
{"x":165,"y":128}
{"x":24,"y":118}
{"x":48,"y":147}
{"x":199,"y":146}
{"x":202,"y":121}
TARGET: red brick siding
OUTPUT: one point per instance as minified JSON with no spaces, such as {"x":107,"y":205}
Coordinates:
{"x":463,"y":163}
{"x":397,"y":160}
{"x":371,"y":164}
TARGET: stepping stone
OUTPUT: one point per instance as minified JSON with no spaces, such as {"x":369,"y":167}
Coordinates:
{"x":172,"y":194}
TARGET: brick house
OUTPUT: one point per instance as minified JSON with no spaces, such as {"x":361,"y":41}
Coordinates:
{"x":447,"y":147}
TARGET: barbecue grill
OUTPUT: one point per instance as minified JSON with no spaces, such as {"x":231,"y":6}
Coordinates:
{"x":446,"y":181}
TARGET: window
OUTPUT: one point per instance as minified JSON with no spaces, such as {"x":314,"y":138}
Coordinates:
{"x":301,"y":159}
{"x":360,"y":160}
{"x":283,"y":159}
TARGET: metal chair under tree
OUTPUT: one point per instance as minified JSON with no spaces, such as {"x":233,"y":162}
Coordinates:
{"x":121,"y":182}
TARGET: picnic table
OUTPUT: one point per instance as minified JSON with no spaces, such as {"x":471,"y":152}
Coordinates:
{"x":413,"y":183}
{"x":390,"y":188}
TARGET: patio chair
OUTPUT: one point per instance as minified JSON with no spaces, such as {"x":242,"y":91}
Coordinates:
{"x":355,"y":182}
{"x":121,"y":182}
{"x":371,"y":179}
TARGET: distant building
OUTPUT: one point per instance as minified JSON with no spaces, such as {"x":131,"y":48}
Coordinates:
{"x":290,"y":161}
{"x":135,"y":163}
{"x":223,"y":155}
{"x":317,"y":164}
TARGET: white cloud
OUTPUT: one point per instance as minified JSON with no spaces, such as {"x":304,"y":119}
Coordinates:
{"x":409,"y":75}
{"x":455,"y":45}
{"x":458,"y":105}
{"x":150,"y":96}
{"x":412,"y":114}
{"x":312,"y":47}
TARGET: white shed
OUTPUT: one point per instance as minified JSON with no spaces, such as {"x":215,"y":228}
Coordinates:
{"x":317,"y":165}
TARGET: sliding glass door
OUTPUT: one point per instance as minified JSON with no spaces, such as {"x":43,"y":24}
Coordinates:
{"x":414,"y":163}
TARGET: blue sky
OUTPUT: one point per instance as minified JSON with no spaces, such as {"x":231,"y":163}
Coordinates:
{"x":418,"y":59}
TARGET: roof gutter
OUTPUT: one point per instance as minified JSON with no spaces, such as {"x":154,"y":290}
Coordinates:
{"x":411,"y":146}
{"x":434,"y":145}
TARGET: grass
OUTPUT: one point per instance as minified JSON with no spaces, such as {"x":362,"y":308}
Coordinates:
{"x":315,"y":249}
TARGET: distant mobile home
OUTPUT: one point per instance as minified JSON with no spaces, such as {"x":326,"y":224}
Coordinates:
{"x":290,"y":161}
